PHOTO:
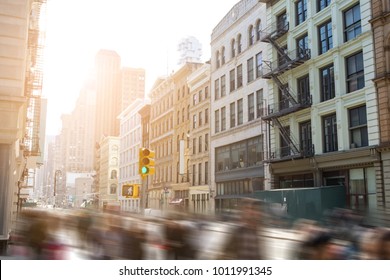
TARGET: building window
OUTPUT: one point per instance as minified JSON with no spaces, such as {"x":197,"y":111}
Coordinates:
{"x":239,"y":44}
{"x":251,"y":35}
{"x":259,"y":64}
{"x":327,"y":83}
{"x":240,"y":114}
{"x":199,"y":173}
{"x":206,"y":92}
{"x":352,"y":23}
{"x":322,"y":4}
{"x":251,"y":107}
{"x":358,"y":127}
{"x":259,"y":103}
{"x":206,"y":172}
{"x":178,"y":117}
{"x":304,"y":89}
{"x":216,"y":92}
{"x":113,"y":189}
{"x":223,"y":118}
{"x":200,"y":96}
{"x":233,"y":47}
{"x":194,"y":121}
{"x":232,"y":80}
{"x":200,"y":144}
{"x":183,"y":115}
{"x":250,"y":69}
{"x":200,"y":119}
{"x":282,"y":22}
{"x":285,"y":147}
{"x":194,"y":146}
{"x":206,"y":116}
{"x":206,"y":142}
{"x":216,"y":121}
{"x":330,"y":133}
{"x":282,"y":56}
{"x":355,"y":72}
{"x":232,"y":114}
{"x":239,"y":76}
{"x":305,"y":139}
{"x":300,"y":11}
{"x":258,"y":29}
{"x":218,"y":62}
{"x":193,"y":174}
{"x":223,"y":86}
{"x":325,"y":36}
{"x":302,"y":46}
{"x":223,"y":56}
{"x":284,"y":100}
{"x":188,"y":112}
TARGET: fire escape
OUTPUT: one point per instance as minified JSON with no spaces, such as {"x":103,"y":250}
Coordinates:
{"x":33,"y":92}
{"x":288,"y":101}
{"x":34,"y":79}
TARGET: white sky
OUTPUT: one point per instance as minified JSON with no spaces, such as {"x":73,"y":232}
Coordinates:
{"x":145,"y":34}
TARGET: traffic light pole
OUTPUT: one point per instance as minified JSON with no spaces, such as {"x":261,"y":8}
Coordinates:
{"x":144,"y":186}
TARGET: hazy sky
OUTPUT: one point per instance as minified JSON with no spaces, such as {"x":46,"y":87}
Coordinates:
{"x":145,"y":33}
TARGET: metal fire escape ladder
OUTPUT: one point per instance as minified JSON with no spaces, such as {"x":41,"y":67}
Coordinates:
{"x":286,"y":136}
{"x":285,"y":89}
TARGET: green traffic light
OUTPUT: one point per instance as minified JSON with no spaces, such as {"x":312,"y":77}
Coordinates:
{"x":144,"y":170}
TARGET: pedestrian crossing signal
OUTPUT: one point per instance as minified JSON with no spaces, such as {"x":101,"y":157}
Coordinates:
{"x":130,"y":191}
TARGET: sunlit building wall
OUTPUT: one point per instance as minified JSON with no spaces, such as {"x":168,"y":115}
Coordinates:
{"x":161,"y":141}
{"x":200,"y":196}
{"x":132,"y":85}
{"x":130,"y":141}
{"x":381,"y":30}
{"x":15,"y":20}
{"x":179,"y":189}
{"x":237,"y":143}
{"x":322,"y":98}
{"x":109,"y":172}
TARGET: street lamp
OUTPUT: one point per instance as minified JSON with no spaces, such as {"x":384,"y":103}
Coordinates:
{"x":56,"y":174}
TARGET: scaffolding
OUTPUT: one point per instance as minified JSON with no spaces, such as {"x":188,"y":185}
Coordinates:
{"x":34,"y":78}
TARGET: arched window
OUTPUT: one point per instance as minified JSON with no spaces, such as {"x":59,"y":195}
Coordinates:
{"x":258,"y":29}
{"x":233,"y":47}
{"x":251,"y":35}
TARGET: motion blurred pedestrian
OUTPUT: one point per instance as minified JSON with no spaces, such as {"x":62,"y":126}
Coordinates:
{"x":244,"y":242}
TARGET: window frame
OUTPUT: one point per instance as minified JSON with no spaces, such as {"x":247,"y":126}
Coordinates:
{"x":325,"y":43}
{"x":330,"y":141}
{"x":332,"y":93}
{"x":300,"y":17}
{"x":355,"y":80}
{"x":355,"y":28}
{"x":250,"y":70}
{"x":361,"y":127}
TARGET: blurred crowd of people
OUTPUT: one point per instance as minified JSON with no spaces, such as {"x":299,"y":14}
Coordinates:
{"x":50,"y":235}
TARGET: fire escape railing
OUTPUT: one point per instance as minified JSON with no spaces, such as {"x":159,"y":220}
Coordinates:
{"x":288,"y":101}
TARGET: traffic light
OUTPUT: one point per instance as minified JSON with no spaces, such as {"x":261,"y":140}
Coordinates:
{"x":146,"y":162}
